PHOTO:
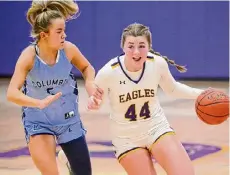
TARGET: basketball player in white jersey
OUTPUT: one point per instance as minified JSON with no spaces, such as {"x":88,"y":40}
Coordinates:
{"x":139,"y":126}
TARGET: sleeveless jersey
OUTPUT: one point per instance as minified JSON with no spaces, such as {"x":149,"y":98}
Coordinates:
{"x":44,"y":80}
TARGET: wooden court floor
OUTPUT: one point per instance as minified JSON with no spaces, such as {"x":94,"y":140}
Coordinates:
{"x":208,"y":146}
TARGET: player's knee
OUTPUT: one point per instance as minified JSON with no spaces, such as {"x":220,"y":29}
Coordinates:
{"x":48,"y":168}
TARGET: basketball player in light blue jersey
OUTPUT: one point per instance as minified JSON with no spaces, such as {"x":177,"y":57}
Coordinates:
{"x":49,"y":92}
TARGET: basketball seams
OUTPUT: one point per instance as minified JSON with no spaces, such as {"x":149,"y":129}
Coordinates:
{"x":210,"y":114}
{"x":222,"y":102}
{"x":204,"y":96}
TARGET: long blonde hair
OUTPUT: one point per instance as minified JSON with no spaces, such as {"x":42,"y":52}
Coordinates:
{"x":135,"y":30}
{"x":41,"y":12}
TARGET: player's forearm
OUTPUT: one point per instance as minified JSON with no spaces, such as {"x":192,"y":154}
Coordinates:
{"x":17,"y":97}
{"x":183,"y":91}
{"x":89,"y":73}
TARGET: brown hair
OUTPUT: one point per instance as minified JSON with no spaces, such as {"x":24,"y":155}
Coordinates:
{"x":135,"y":30}
{"x":42,"y":12}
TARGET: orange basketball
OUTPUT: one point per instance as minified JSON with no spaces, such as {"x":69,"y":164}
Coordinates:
{"x":212,"y":106}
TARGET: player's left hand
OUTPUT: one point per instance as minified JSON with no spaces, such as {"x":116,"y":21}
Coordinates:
{"x":93,"y":103}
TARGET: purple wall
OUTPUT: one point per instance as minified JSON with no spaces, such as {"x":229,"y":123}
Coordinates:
{"x":195,"y":34}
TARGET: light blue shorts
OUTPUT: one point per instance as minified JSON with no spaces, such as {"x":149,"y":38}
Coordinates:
{"x":62,"y":134}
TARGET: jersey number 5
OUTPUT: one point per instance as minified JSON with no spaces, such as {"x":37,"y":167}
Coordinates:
{"x":48,"y":90}
{"x":131,"y":112}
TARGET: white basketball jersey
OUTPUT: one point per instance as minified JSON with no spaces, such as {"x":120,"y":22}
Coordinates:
{"x":135,"y":109}
{"x":132,"y":95}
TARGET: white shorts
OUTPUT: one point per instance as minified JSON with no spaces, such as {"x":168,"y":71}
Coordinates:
{"x":124,"y":145}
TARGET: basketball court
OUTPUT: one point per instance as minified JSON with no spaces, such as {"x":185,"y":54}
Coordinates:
{"x":208,"y":146}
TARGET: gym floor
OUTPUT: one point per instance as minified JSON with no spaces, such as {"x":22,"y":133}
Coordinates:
{"x":207,"y":146}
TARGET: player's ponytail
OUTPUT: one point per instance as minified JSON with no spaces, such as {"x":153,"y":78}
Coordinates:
{"x":180,"y":68}
{"x":42,"y":12}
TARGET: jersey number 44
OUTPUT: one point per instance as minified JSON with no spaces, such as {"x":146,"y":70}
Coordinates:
{"x":144,"y":113}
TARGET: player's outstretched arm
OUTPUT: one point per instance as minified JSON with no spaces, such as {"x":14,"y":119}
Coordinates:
{"x":173,"y":88}
{"x":14,"y":93}
{"x":82,"y":64}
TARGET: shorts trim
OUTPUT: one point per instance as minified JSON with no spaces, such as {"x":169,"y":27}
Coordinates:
{"x":122,"y":155}
{"x":35,"y":134}
{"x":42,"y":133}
{"x":160,"y":137}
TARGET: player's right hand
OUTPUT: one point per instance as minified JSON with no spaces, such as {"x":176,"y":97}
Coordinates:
{"x":48,"y":100}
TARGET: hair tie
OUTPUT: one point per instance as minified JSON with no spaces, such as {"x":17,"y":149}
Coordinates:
{"x":44,"y":9}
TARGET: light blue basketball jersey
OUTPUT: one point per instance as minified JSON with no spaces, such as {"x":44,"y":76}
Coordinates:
{"x":44,"y":80}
